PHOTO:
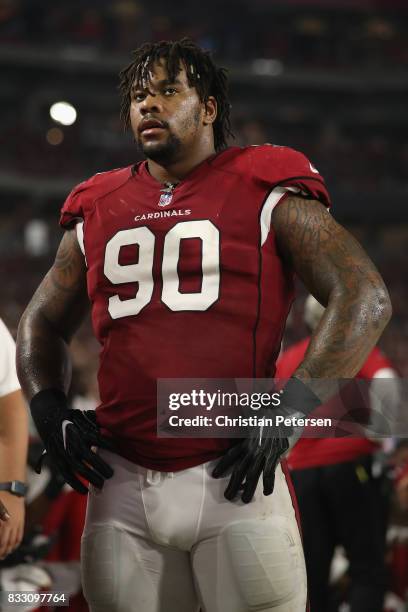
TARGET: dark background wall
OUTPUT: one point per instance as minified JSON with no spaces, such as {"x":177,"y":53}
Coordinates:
{"x":329,"y":78}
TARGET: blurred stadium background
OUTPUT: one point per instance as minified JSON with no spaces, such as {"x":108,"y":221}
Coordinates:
{"x":327,"y":77}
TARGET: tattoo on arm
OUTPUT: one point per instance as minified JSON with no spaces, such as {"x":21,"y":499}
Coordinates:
{"x":53,"y":315}
{"x":64,"y":274}
{"x":337,"y":271}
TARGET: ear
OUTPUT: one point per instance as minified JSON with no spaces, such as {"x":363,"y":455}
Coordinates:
{"x":210,"y":111}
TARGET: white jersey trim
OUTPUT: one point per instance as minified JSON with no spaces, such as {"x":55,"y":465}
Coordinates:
{"x":385,"y":373}
{"x":80,"y":237}
{"x":272,"y":200}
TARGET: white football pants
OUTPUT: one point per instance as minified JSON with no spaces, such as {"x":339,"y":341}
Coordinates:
{"x":164,"y":542}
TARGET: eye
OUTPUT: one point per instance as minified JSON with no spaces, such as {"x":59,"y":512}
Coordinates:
{"x":138,"y":96}
{"x":170,"y":91}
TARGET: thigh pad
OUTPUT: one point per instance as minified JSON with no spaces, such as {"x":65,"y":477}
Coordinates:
{"x":108,"y":566}
{"x":264,"y":560}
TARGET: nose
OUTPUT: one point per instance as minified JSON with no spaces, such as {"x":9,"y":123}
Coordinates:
{"x":151,"y":104}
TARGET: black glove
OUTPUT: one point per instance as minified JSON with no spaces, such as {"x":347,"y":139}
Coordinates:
{"x":68,"y":436}
{"x":37,"y":460}
{"x":261,"y":451}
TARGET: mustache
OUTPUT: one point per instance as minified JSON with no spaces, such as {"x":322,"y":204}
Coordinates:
{"x":163,"y":124}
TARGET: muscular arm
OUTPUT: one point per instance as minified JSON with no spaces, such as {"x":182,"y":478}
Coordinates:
{"x":51,"y":318}
{"x":340,"y":275}
{"x":13,"y":459}
{"x":13,"y":437}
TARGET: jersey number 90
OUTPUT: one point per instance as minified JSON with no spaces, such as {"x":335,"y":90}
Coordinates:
{"x":142,"y":271}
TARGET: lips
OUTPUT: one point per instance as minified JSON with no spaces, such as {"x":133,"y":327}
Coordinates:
{"x":149,"y":124}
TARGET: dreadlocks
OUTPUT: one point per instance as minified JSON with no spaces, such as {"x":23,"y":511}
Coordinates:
{"x":202,"y":73}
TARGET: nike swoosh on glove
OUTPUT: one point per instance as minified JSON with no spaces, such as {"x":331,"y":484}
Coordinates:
{"x":68,"y":436}
{"x":261,"y":451}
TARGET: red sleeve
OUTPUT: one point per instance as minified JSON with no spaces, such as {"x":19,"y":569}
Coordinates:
{"x":291,"y":358}
{"x":285,"y":167}
{"x":82,"y":198}
{"x":72,"y":209}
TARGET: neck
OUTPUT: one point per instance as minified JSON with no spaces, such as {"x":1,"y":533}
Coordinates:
{"x":177,"y":170}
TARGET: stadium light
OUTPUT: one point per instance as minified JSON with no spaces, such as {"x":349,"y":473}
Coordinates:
{"x":63,"y":113}
{"x":54,"y":136}
{"x":267,"y":67}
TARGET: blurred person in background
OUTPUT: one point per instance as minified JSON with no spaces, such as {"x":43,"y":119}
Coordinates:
{"x":13,"y":448}
{"x":402,"y":487}
{"x":162,"y":533}
{"x":341,"y":502}
{"x":48,"y":556}
{"x":48,"y":511}
{"x":397,"y":535}
{"x":58,"y":514}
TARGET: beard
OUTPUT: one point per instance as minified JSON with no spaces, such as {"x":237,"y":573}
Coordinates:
{"x":164,"y":153}
{"x":173,"y":148}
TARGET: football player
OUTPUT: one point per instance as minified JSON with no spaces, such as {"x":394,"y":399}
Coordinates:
{"x":187,"y":260}
{"x":341,"y":502}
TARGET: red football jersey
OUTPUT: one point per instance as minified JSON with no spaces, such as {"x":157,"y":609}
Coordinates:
{"x":311,"y":452}
{"x":185,"y":284}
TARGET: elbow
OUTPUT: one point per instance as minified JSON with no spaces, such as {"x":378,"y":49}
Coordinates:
{"x":23,"y":328}
{"x":380,"y":308}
